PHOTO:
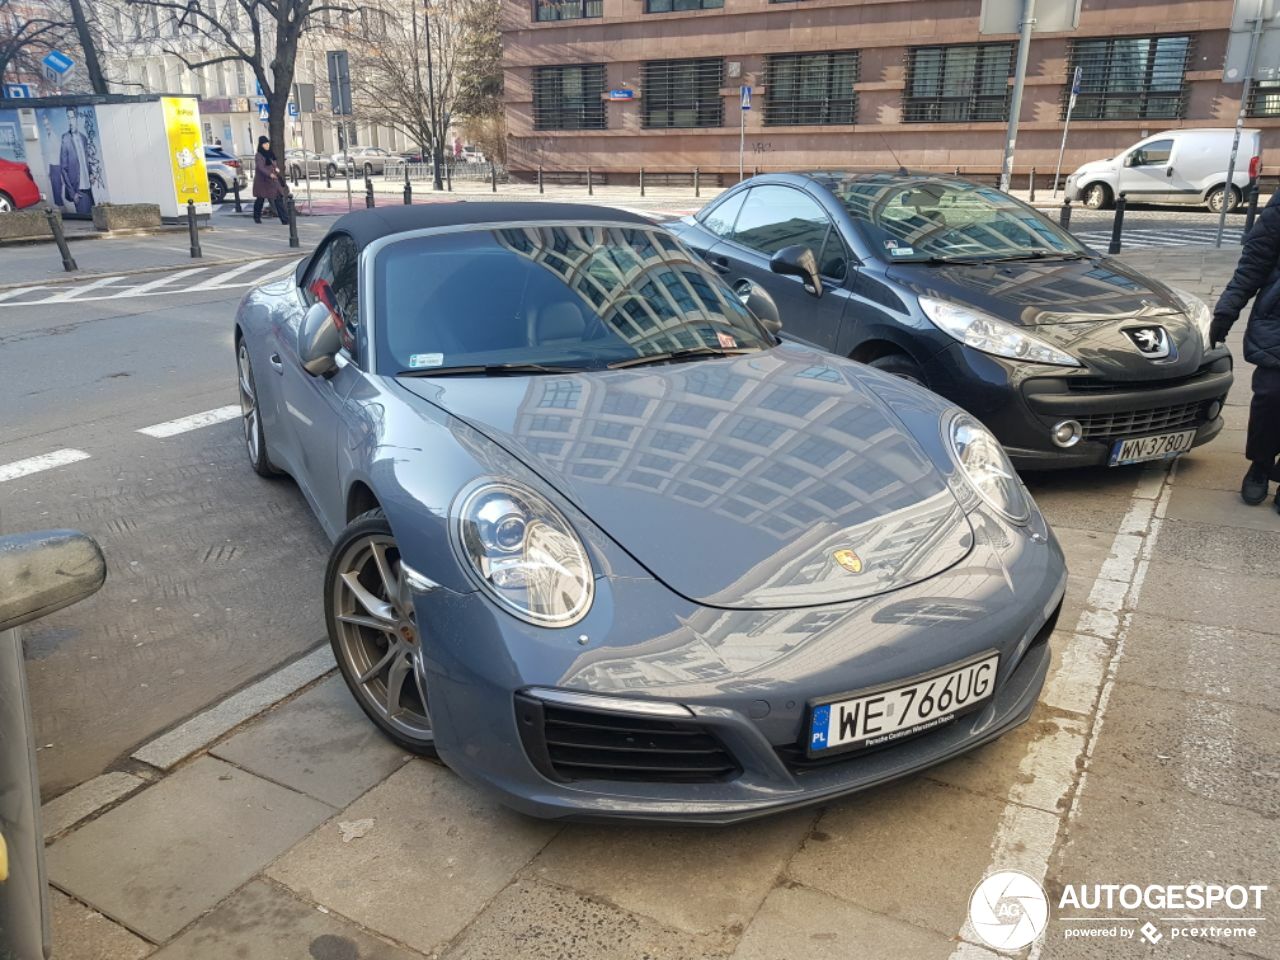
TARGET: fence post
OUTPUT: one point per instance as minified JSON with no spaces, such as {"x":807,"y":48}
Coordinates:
{"x":642,"y":181}
{"x":448,"y":177}
{"x":1253,"y":211}
{"x":540,"y":178}
{"x":293,"y":174}
{"x":408,"y":190}
{"x":1117,"y":225}
{"x":368,"y":193}
{"x":328,"y":177}
{"x":235,"y":190}
{"x":1064,"y":214}
{"x":493,"y":175}
{"x":957,"y":173}
{"x":1032,"y":186}
{"x":590,"y":187}
{"x":697,"y":182}
{"x":55,"y":224}
{"x":755,"y":171}
{"x":293,"y":221}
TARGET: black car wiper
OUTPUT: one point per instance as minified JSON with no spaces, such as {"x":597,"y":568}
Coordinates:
{"x":1041,"y":254}
{"x":491,"y":370}
{"x":675,"y":356}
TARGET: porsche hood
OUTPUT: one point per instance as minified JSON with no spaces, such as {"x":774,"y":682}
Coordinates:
{"x":764,"y":481}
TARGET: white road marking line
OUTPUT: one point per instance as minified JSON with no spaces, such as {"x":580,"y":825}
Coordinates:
{"x":7,"y":294}
{"x":171,"y":428}
{"x":46,"y":461}
{"x":160,"y":282}
{"x":70,"y":294}
{"x":221,"y":278}
{"x":1025,"y":838}
{"x":276,"y":274}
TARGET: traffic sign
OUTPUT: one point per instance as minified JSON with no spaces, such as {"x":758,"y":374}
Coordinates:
{"x":293,"y":110}
{"x":18,"y":91}
{"x":746,"y":97}
{"x":264,"y":112}
{"x":58,"y":62}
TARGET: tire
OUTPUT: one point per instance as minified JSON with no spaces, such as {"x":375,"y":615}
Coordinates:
{"x":6,"y":203}
{"x":374,"y":633}
{"x":295,"y":172}
{"x":217,"y":190}
{"x":1097,"y":196}
{"x":332,"y":170}
{"x":1213,"y":199}
{"x":368,"y":169}
{"x":901,"y":366}
{"x":255,"y":439}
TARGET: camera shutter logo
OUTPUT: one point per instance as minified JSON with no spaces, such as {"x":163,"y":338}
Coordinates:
{"x":1008,"y":910}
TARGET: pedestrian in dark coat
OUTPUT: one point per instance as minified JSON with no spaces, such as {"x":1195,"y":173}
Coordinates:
{"x":1258,"y":273}
{"x":268,"y":182}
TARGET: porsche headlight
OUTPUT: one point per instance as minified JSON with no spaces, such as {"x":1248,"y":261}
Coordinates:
{"x":987,"y":467}
{"x":1197,"y":312}
{"x":525,"y":554}
{"x":990,"y":335}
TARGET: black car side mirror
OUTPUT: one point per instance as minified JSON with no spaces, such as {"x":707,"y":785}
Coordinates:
{"x":318,"y":340}
{"x":756,"y":299}
{"x":798,"y":261}
{"x":44,"y":572}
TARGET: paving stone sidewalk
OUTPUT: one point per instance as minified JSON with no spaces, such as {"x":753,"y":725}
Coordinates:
{"x":304,"y":833}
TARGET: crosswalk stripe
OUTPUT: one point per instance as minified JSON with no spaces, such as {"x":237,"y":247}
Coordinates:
{"x":9,"y":294}
{"x":46,"y":461}
{"x":65,"y":295}
{"x":171,"y":428}
{"x":220,"y":279}
{"x":160,"y":282}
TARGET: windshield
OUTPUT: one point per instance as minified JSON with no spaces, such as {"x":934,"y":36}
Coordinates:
{"x":910,"y":221}
{"x":565,"y":296}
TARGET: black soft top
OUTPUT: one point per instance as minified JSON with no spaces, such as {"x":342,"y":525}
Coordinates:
{"x":366,"y":226}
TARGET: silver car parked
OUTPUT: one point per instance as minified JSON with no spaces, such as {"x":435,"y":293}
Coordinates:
{"x":362,"y":161}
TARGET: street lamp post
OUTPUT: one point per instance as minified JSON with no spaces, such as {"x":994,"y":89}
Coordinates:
{"x":436,"y":183}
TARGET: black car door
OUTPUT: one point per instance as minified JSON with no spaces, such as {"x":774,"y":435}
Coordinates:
{"x":771,"y":217}
{"x":713,"y":226}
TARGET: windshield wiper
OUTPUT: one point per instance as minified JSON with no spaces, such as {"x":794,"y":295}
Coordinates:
{"x":675,"y":356}
{"x":491,"y":370}
{"x":1041,"y":254}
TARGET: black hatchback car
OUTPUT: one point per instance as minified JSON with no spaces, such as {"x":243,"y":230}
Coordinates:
{"x":1071,"y":358}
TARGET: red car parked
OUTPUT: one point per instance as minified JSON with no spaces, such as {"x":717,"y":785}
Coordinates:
{"x":17,"y":188}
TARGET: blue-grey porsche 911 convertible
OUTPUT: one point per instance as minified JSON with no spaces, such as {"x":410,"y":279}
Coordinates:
{"x":611,"y":548}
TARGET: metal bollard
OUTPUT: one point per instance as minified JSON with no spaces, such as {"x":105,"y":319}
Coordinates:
{"x":193,"y":229}
{"x":1031,"y":187}
{"x":1253,"y":211}
{"x":293,"y":221}
{"x":448,"y":177}
{"x":1117,"y":225}
{"x":293,"y":175}
{"x":590,"y":189}
{"x":408,"y":190}
{"x":328,"y":177}
{"x":697,"y":182}
{"x":540,"y":178}
{"x":368,"y":193}
{"x":55,"y":225}
{"x":493,"y":175}
{"x":957,"y":173}
{"x":642,"y":181}
{"x":1064,"y":214}
{"x":235,"y":190}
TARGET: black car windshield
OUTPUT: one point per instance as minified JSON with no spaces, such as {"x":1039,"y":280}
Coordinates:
{"x":930,"y":220}
{"x":553,"y":297}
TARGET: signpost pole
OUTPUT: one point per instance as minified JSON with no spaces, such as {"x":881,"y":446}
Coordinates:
{"x":1255,"y":37}
{"x":1071,"y":105}
{"x":1015,"y":102}
{"x":742,"y":127}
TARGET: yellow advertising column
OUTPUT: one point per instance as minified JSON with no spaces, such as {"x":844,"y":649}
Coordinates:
{"x":186,"y":152}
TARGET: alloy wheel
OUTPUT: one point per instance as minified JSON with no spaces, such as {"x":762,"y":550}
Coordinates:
{"x":377,"y":636}
{"x":248,"y":405}
{"x":1095,"y":197}
{"x":6,"y":205}
{"x":217,"y":190}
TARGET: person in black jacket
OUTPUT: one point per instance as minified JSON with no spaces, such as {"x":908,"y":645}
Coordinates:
{"x":1258,"y":273}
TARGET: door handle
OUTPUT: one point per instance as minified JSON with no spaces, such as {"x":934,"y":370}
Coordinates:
{"x":276,"y":363}
{"x":1168,"y":171}
{"x":719,"y":264}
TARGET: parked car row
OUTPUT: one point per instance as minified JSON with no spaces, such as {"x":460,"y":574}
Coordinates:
{"x":226,"y":173}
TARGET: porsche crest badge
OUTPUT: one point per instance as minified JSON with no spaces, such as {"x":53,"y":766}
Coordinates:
{"x":849,"y":560}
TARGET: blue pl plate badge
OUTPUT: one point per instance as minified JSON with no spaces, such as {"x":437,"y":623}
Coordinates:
{"x":418,"y":361}
{"x":818,"y":728}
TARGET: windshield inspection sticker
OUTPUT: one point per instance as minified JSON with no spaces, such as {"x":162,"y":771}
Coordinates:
{"x":727,"y":341}
{"x":901,"y":252}
{"x":419,"y":360}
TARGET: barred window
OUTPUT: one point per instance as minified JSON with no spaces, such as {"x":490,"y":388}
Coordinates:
{"x":683,"y":93}
{"x":1264,"y":98}
{"x":667,"y":6}
{"x":804,"y":88}
{"x":1130,"y":78}
{"x":567,"y":9}
{"x":569,"y":98}
{"x":958,"y":84}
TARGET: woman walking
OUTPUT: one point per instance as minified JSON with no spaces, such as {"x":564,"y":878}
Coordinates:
{"x":268,"y":184}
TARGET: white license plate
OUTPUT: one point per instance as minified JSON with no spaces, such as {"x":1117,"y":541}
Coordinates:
{"x":889,"y":712}
{"x":1160,"y":447}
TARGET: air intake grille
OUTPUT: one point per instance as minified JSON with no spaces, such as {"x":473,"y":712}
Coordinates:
{"x":1106,"y":426}
{"x":569,"y":743}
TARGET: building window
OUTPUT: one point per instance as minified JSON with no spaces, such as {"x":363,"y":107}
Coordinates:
{"x":805,"y":88}
{"x":567,"y":9}
{"x":958,"y":84}
{"x":1264,"y":98}
{"x":683,"y":93}
{"x":569,"y":98}
{"x":667,"y":6}
{"x":1130,"y":78}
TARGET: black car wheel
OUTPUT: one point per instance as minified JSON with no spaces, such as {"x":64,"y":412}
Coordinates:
{"x":255,"y":440}
{"x":217,"y":190}
{"x":1214,"y":199}
{"x":332,"y":170}
{"x":374,"y":631}
{"x":368,"y":169}
{"x":900,"y":365}
{"x":295,"y":172}
{"x":1097,"y":196}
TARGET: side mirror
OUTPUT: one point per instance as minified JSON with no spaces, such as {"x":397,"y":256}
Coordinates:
{"x":1131,"y":159}
{"x":798,"y":261}
{"x":318,"y":341}
{"x":756,"y":299}
{"x":44,"y":572}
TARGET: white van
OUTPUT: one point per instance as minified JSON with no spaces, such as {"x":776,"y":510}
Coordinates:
{"x":1175,"y":166}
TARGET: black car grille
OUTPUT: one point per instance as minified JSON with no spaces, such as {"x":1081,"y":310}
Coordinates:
{"x":570,"y":743}
{"x":1128,"y":423}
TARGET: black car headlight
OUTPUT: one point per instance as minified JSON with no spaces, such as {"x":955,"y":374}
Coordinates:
{"x":986,"y":466}
{"x":525,"y":554}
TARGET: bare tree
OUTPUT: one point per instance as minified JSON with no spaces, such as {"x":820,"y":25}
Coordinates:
{"x":262,"y":33}
{"x":26,"y":32}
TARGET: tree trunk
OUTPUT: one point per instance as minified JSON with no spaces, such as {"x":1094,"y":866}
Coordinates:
{"x":88,"y":44}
